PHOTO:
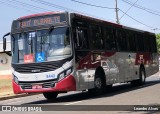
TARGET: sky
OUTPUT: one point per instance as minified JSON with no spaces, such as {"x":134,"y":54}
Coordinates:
{"x":147,"y":19}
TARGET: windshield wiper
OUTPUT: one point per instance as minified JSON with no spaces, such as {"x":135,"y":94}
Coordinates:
{"x":51,"y":29}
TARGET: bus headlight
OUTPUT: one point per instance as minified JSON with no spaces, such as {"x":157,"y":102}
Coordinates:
{"x":61,"y":76}
{"x":65,"y":73}
{"x":68,"y":71}
{"x":15,"y":79}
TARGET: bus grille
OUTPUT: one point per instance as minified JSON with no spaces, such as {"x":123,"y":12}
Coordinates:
{"x":45,"y":84}
{"x":35,"y":67}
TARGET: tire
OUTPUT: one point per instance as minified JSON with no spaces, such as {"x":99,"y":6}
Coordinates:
{"x":99,"y":86}
{"x":141,"y":80}
{"x":142,"y":75}
{"x":50,"y":95}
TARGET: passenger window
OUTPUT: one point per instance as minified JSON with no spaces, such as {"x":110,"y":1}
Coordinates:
{"x":109,"y":39}
{"x":97,"y":37}
{"x":122,"y":41}
{"x":81,"y":39}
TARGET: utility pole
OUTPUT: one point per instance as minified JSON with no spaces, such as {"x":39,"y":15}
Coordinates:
{"x":117,"y":19}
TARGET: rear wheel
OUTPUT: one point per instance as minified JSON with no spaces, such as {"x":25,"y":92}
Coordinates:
{"x":142,"y":78}
{"x":50,"y":95}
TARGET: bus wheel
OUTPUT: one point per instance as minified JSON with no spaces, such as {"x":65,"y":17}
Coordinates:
{"x":99,"y":85}
{"x":142,"y":76}
{"x":141,"y":80}
{"x":50,"y":95}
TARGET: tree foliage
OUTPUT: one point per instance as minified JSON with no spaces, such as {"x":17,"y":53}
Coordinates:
{"x":158,"y":42}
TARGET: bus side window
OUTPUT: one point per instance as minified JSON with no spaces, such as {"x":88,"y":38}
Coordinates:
{"x":109,"y":39}
{"x":140,"y":41}
{"x":147,"y":45}
{"x":81,"y":39}
{"x":122,"y":42}
{"x":153,"y":44}
{"x":132,"y":42}
{"x":97,"y":37}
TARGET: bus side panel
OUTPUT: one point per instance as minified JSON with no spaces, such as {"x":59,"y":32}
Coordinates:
{"x":150,"y":62}
{"x":154,"y":67}
{"x":127,"y":67}
{"x":87,"y":65}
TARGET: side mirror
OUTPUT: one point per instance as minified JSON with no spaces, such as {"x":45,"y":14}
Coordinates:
{"x":4,"y":44}
{"x":50,"y":29}
{"x":4,"y":41}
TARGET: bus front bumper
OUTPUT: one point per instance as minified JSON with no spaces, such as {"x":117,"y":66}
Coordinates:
{"x":66,"y":84}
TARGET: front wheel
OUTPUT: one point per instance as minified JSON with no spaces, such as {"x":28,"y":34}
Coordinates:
{"x":99,"y":86}
{"x":50,"y":95}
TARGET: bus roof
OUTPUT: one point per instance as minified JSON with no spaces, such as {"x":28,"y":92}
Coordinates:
{"x":86,"y":17}
{"x":40,"y":14}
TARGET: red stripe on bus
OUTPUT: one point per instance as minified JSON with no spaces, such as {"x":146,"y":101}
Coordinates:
{"x":66,"y":84}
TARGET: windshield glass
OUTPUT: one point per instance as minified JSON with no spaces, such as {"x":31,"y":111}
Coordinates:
{"x":41,"y":46}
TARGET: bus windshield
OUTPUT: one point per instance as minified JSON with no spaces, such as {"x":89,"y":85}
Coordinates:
{"x":41,"y":45}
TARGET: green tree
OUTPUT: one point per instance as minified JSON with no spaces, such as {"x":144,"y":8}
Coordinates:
{"x":158,"y":42}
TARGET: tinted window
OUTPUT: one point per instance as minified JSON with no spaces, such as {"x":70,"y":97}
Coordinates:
{"x":109,"y":39}
{"x":122,"y":41}
{"x":140,"y":42}
{"x":97,"y":37}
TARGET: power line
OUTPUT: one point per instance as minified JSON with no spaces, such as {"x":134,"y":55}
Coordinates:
{"x":57,"y":6}
{"x":60,"y":7}
{"x":27,"y":5}
{"x":124,"y":13}
{"x":16,"y":7}
{"x":92,"y":5}
{"x":139,"y":6}
{"x":128,"y":10}
{"x":52,"y":5}
{"x":137,"y":20}
{"x":143,"y":8}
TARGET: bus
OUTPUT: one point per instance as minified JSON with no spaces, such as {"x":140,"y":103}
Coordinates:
{"x":58,"y":52}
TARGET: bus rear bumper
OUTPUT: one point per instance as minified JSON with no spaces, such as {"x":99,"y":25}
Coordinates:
{"x":67,"y":84}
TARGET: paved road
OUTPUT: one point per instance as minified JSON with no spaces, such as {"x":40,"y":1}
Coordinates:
{"x":121,"y":94}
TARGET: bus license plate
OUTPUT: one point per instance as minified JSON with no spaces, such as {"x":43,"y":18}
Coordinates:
{"x":38,"y":86}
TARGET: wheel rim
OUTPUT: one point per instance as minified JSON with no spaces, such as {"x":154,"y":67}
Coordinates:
{"x":143,"y":76}
{"x":98,"y":83}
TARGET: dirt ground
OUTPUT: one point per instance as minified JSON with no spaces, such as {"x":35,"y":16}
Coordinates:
{"x":5,"y":77}
{"x":5,"y":85}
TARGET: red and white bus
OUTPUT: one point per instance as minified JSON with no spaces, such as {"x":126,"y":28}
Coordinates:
{"x":58,"y":52}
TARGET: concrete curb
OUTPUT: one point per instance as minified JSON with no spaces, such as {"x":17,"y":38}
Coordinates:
{"x":16,"y":96}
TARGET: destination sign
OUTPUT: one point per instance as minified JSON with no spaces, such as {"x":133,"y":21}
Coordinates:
{"x":39,"y":21}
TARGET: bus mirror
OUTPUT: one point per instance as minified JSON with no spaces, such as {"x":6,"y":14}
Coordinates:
{"x":50,"y":29}
{"x":4,"y":41}
{"x":4,"y":44}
